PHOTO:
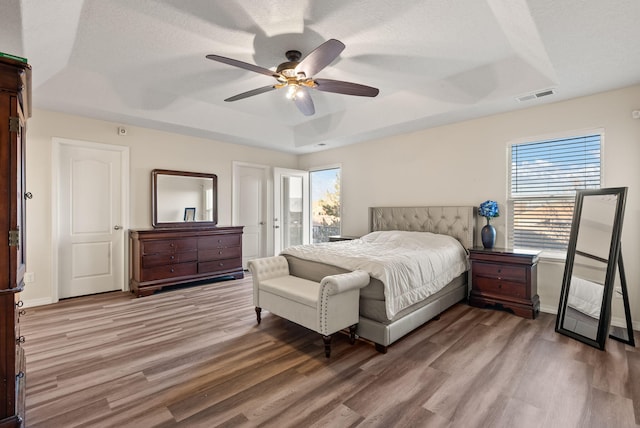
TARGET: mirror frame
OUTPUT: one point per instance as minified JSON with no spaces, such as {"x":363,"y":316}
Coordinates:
{"x":190,"y":224}
{"x":614,"y":261}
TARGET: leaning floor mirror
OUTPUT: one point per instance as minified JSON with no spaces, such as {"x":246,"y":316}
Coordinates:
{"x":593,"y":257}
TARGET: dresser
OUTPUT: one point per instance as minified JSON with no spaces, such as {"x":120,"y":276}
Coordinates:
{"x":15,"y":83}
{"x":171,"y":256}
{"x":505,"y":279}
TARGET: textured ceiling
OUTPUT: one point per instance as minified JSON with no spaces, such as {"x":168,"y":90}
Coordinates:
{"x":143,"y":62}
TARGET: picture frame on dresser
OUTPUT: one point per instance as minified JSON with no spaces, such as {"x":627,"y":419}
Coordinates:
{"x":189,"y":214}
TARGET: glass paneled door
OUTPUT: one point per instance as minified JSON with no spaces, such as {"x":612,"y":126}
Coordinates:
{"x":291,"y":216}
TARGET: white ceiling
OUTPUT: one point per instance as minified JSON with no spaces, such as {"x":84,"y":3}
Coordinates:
{"x":142,"y":62}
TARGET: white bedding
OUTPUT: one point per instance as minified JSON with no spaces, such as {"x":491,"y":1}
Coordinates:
{"x":411,"y":265}
{"x":585,"y":296}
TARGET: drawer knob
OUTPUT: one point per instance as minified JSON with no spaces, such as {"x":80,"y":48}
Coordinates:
{"x":219,"y":252}
{"x":20,"y":339}
{"x":172,"y":245}
{"x":221,"y":264}
{"x":22,"y":312}
{"x":172,"y":257}
{"x":20,"y":375}
{"x":172,"y":270}
{"x":19,"y":304}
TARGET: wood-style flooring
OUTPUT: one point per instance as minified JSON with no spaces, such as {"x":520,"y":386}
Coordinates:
{"x":195,"y":357}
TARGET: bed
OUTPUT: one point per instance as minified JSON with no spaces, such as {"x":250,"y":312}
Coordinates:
{"x":377,"y":323}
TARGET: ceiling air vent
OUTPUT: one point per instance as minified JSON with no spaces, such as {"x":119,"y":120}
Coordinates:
{"x":536,"y":95}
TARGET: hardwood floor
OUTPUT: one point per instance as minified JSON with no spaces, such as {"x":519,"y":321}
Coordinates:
{"x":196,"y":357}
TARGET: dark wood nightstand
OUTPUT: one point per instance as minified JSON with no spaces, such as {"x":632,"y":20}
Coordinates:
{"x":506,"y":279}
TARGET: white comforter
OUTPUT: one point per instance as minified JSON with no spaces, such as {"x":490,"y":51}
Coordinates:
{"x":411,"y":265}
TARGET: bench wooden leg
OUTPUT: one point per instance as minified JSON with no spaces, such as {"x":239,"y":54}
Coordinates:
{"x":352,"y":333}
{"x":381,"y":348}
{"x":327,"y":345}
{"x":258,"y":310}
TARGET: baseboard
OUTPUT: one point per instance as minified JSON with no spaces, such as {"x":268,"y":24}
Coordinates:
{"x":615,"y":321}
{"x":37,"y":302}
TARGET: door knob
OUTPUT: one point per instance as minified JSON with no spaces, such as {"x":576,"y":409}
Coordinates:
{"x":117,"y":227}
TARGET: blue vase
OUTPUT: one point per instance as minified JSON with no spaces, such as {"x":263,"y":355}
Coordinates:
{"x":488,"y":234}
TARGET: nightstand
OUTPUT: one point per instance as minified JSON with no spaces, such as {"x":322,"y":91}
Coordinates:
{"x":505,"y":279}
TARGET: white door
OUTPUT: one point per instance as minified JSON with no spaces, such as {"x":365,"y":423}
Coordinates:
{"x":250,"y":209}
{"x":90,"y":228}
{"x":291,"y":208}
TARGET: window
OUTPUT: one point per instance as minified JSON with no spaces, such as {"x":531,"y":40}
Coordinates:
{"x":543,"y":182}
{"x":325,"y":204}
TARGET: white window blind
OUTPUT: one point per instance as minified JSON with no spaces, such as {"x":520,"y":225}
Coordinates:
{"x":544,"y":178}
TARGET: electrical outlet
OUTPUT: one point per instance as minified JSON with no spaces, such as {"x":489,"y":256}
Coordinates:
{"x":29,"y":277}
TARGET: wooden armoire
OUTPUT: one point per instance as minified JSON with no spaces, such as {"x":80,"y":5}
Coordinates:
{"x":15,"y":107}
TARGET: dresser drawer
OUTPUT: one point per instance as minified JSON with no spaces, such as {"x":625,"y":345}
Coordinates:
{"x":169,"y":271}
{"x":219,"y":265}
{"x":169,"y":246}
{"x":219,"y":254}
{"x":151,"y":260}
{"x":499,"y":287}
{"x":217,"y":242}
{"x":500,"y":272}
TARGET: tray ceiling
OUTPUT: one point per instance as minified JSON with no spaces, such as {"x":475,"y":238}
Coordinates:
{"x":435,"y":62}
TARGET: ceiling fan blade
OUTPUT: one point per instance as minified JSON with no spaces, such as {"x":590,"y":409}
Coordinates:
{"x":304,"y":102}
{"x":321,"y":56}
{"x":347,"y":88}
{"x":244,"y":65}
{"x":251,"y":93}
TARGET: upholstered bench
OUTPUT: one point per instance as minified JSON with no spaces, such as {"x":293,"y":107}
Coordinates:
{"x":325,"y":307}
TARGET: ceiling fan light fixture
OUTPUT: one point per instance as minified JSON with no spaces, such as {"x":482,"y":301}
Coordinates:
{"x":292,"y":92}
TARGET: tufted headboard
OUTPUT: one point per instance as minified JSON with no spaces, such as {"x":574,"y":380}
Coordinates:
{"x":458,"y":222}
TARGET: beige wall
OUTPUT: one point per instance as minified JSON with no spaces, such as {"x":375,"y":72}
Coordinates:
{"x":466,"y":163}
{"x":149,"y":149}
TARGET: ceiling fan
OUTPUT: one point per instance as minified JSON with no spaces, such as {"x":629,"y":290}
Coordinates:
{"x":297,"y":76}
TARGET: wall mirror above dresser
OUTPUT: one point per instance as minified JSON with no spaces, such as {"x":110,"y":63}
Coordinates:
{"x":183,"y":199}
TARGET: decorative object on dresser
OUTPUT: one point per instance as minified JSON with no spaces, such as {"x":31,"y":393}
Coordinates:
{"x":15,"y":108}
{"x":488,"y":209}
{"x":171,"y":256}
{"x":506,"y":279}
